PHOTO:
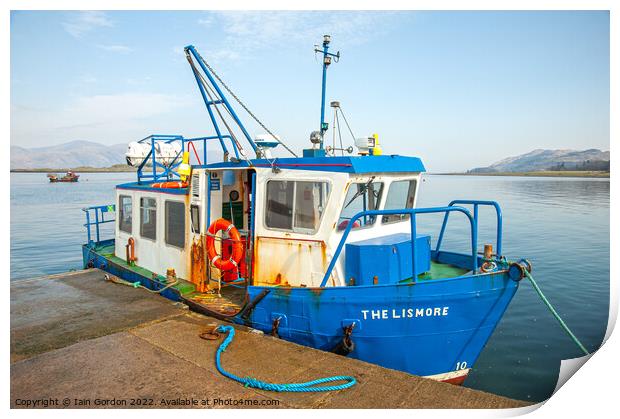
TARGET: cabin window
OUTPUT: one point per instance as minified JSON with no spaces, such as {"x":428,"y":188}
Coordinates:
{"x":360,"y":197}
{"x":295,"y":205}
{"x":124,"y":214}
{"x":175,"y":224}
{"x":194,"y":213}
{"x":400,"y":195}
{"x":148,"y":218}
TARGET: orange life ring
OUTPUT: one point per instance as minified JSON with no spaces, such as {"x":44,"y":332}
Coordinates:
{"x":173,"y":185}
{"x":237,"y":248}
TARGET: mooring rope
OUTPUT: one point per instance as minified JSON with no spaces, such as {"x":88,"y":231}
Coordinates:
{"x":309,"y":386}
{"x":555,"y":313}
{"x":137,"y":284}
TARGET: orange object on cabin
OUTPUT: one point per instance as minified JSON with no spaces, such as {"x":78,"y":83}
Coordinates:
{"x":173,"y":185}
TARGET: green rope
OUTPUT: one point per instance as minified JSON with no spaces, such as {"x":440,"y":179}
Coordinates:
{"x":555,"y":313}
{"x":138,"y":284}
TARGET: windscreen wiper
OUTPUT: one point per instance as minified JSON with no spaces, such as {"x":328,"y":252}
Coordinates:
{"x":362,"y":190}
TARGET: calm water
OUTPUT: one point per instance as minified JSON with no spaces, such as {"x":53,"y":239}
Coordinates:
{"x":47,"y":222}
{"x":561,"y":225}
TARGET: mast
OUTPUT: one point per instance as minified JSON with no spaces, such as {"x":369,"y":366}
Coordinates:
{"x":316,"y":137}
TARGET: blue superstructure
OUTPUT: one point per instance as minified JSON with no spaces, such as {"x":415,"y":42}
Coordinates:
{"x":346,"y":164}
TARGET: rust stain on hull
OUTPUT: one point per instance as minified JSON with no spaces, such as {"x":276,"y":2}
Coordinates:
{"x":198,"y":266}
{"x":286,"y":261}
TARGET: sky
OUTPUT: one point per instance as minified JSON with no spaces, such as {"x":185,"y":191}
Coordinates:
{"x":458,"y":89}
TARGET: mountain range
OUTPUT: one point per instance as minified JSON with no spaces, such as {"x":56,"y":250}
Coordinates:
{"x":540,"y":160}
{"x":80,"y":154}
{"x":68,"y":155}
{"x":90,"y":154}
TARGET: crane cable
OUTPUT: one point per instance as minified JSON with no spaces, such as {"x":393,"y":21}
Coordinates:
{"x":209,"y":91}
{"x":243,"y":105}
{"x":271,"y":162}
{"x":230,"y":131}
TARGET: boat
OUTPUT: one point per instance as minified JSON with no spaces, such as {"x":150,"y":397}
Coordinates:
{"x":67,"y":177}
{"x":322,"y":249}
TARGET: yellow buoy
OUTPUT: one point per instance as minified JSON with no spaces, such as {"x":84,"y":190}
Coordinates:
{"x":376,"y":150}
{"x":184,"y":167}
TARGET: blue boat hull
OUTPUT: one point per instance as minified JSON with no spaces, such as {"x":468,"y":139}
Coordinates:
{"x":429,"y":328}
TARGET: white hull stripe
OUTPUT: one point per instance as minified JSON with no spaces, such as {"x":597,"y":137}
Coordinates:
{"x":449,"y":375}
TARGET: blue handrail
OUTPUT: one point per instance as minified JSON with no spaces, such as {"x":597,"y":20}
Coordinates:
{"x":167,"y":171}
{"x":475,"y":203}
{"x":213,"y":137}
{"x":412,"y":218}
{"x":99,"y":218}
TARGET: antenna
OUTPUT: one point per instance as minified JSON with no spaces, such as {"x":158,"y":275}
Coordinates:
{"x":333,"y":149}
{"x":317,"y":136}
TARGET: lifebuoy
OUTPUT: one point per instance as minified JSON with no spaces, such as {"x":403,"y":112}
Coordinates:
{"x":237,"y":247}
{"x":172,"y":185}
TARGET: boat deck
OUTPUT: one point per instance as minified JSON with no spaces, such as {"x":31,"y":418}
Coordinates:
{"x":442,"y":270}
{"x":228,"y":303}
{"x":80,"y":338}
{"x":231,"y":298}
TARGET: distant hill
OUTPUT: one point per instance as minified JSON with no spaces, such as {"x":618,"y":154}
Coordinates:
{"x":81,"y":155}
{"x":540,"y":160}
{"x":72,"y":154}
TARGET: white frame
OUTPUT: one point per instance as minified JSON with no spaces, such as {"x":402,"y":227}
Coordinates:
{"x":415,"y":193}
{"x":294,"y":229}
{"x":141,"y":214}
{"x":121,"y":212}
{"x":378,"y":206}
{"x":166,"y":223}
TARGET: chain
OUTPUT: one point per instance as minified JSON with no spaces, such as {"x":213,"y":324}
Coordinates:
{"x":210,"y":93}
{"x":243,"y":105}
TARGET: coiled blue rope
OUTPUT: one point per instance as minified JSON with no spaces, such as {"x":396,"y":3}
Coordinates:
{"x":310,"y":386}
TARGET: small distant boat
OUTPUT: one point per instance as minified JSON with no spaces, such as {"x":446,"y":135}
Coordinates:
{"x":68,"y":177}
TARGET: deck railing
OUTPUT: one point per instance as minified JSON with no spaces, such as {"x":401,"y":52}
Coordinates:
{"x":476,"y":204}
{"x":95,"y":216}
{"x":412,"y":212}
{"x":159,"y":171}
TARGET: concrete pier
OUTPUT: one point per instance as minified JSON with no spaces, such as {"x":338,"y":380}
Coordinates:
{"x":78,"y":341}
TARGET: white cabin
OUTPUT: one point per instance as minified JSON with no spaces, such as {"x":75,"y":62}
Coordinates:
{"x":294,"y":225}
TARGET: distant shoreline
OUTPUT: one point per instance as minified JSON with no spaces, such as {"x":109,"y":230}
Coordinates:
{"x":546,"y":173}
{"x":119,"y":168}
{"x":128,"y":169}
